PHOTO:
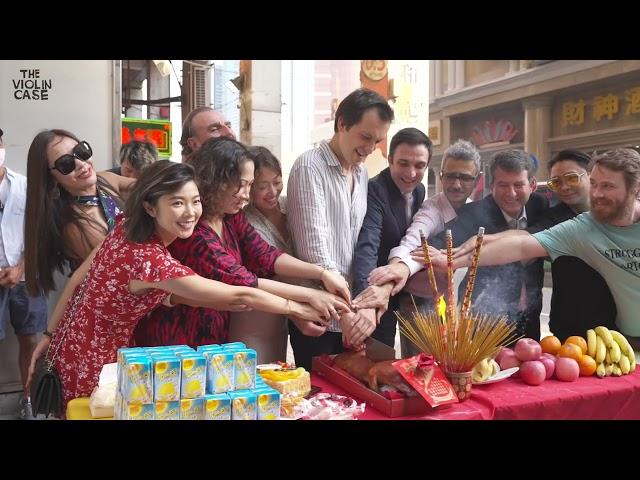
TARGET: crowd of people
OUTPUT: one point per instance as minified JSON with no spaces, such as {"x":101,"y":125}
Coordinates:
{"x":209,"y":250}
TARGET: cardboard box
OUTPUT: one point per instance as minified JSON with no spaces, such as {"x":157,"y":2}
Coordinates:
{"x":398,"y":407}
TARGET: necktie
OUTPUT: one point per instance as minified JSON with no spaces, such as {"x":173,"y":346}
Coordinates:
{"x":520,"y":224}
{"x":408,"y":199}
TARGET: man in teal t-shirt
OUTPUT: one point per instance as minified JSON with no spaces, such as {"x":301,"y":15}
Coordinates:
{"x":607,"y":238}
{"x":611,"y":250}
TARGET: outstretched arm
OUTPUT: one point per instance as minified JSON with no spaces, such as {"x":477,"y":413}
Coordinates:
{"x":198,"y":291}
{"x":508,"y":249}
{"x":289,"y":266}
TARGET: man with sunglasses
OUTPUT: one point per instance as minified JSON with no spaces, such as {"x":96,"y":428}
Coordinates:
{"x":28,"y":315}
{"x":459,"y":173}
{"x":200,"y":125}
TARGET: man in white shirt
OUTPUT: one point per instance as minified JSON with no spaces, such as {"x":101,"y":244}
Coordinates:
{"x":459,"y":174}
{"x":326,"y":205}
{"x":28,"y":315}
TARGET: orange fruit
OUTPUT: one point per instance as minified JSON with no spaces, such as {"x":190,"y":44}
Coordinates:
{"x":571,"y":350}
{"x":550,"y":344}
{"x":587,"y":366}
{"x":578,"y":340}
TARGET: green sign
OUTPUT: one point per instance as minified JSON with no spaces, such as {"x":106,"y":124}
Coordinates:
{"x":155,"y":131}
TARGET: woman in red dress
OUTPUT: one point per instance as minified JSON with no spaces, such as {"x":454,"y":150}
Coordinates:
{"x":225,"y":247}
{"x":131,"y":273}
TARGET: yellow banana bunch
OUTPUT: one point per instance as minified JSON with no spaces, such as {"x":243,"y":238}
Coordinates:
{"x":600,"y":370}
{"x":613,"y":350}
{"x":591,"y":343}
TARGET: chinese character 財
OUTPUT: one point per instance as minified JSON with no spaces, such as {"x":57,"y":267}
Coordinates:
{"x":573,"y":113}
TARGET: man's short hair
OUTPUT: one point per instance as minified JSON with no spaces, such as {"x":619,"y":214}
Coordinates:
{"x":463,"y":150}
{"x":577,"y":156}
{"x":512,"y":161}
{"x":625,"y":160}
{"x":411,"y":136}
{"x":357,"y":103}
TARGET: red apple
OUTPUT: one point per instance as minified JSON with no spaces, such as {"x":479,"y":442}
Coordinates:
{"x":549,"y":364}
{"x":533,"y":372}
{"x":567,"y":369}
{"x":550,"y":356}
{"x":528,"y":349}
{"x":509,"y":360}
{"x":502,"y":352}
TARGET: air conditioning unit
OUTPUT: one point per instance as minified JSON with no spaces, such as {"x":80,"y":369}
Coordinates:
{"x":200,"y":87}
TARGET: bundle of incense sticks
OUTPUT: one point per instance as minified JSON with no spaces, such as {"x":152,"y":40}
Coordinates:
{"x":450,"y":305}
{"x":473,"y":269}
{"x":429,"y":266}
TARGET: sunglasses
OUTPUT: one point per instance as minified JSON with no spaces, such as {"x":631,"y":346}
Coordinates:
{"x":463,"y":177}
{"x":67,"y":162}
{"x":569,"y":179}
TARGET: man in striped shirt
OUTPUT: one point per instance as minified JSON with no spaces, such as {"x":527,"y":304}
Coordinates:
{"x":326,"y":205}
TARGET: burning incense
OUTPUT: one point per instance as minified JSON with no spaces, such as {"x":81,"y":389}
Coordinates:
{"x":429,"y":266}
{"x":450,"y":306}
{"x":473,"y":268}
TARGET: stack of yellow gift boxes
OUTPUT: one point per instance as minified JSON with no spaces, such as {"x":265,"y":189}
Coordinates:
{"x":214,"y":382}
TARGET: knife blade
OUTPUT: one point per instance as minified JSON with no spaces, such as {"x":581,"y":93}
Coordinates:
{"x":378,"y":351}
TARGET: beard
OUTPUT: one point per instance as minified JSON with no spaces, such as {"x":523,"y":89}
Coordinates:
{"x":608,"y":211}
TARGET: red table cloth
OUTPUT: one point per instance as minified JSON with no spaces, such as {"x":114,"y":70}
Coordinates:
{"x":609,"y":398}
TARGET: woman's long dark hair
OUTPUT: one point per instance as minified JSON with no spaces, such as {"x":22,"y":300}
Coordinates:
{"x":158,"y":179}
{"x":49,"y":210}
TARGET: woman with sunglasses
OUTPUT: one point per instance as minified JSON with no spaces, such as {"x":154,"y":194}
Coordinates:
{"x":131,"y":273}
{"x":225,"y":247}
{"x":69,"y":210}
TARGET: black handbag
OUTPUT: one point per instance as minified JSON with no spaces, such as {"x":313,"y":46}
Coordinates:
{"x":46,"y":390}
{"x":46,"y":387}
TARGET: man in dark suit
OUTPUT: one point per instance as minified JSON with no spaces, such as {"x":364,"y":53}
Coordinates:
{"x":394,"y":196}
{"x":514,"y":289}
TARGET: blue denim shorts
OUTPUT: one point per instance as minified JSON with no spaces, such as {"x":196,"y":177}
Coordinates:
{"x":28,"y":315}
